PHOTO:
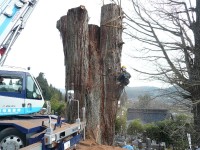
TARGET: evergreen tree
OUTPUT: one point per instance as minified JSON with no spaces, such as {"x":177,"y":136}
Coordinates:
{"x":48,"y":90}
{"x":44,"y":86}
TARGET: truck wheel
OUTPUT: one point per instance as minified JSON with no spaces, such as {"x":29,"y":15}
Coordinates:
{"x":11,"y":139}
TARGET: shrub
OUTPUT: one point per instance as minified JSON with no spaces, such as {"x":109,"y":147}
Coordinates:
{"x":135,"y":127}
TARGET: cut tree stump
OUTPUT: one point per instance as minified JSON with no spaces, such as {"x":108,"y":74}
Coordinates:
{"x":93,"y":62}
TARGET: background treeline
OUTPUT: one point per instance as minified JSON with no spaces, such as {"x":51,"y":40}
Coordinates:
{"x":52,"y":94}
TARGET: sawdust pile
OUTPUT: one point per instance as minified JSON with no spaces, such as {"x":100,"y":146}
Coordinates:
{"x":91,"y":145}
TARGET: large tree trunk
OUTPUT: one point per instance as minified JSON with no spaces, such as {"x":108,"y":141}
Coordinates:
{"x":194,"y":88}
{"x":93,"y":98}
{"x":92,"y":60}
{"x":110,"y":47}
{"x":74,"y":33}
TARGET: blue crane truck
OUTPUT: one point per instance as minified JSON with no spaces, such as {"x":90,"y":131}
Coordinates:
{"x":21,"y":126}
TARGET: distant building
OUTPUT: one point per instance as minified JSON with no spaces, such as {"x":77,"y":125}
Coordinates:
{"x":147,"y":115}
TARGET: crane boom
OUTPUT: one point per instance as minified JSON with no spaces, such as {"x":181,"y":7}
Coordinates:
{"x":13,"y":17}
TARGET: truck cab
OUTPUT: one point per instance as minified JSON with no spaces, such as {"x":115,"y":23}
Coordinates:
{"x":19,"y":92}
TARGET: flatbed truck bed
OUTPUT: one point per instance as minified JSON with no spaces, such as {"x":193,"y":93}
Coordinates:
{"x":44,"y":133}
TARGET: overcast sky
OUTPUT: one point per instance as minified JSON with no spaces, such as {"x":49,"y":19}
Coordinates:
{"x":40,"y":47}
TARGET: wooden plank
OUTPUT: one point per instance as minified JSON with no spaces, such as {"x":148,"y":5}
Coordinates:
{"x":28,"y":124}
{"x":36,"y":146}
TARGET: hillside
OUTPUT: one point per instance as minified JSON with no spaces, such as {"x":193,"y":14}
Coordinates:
{"x":134,"y":92}
{"x":169,"y":95}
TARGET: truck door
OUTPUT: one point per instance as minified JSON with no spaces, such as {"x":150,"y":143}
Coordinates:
{"x":12,"y":93}
{"x":34,"y":100}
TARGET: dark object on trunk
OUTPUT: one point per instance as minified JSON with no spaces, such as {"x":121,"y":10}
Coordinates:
{"x":124,"y":78}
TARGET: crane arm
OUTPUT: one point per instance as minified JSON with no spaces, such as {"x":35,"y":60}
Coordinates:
{"x":13,"y":17}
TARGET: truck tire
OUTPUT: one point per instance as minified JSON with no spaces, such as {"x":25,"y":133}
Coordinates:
{"x":11,"y":139}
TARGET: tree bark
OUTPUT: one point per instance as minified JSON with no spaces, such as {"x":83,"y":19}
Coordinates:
{"x":74,"y":32}
{"x":93,"y":97}
{"x":194,"y":87}
{"x":110,"y":47}
{"x":92,"y":60}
